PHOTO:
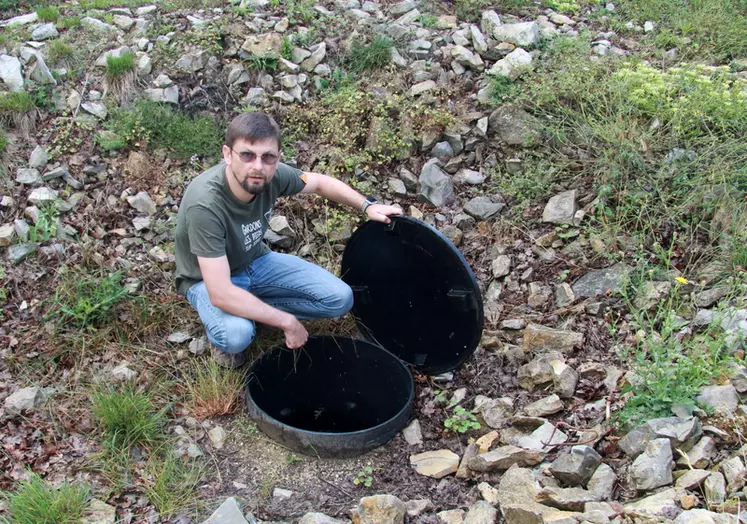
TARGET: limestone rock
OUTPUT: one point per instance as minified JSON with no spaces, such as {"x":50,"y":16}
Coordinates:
{"x":436,"y":187}
{"x":682,"y":432}
{"x":544,"y":406}
{"x":601,"y":281}
{"x":482,"y":208}
{"x":436,"y":464}
{"x":10,"y":72}
{"x":503,"y":458}
{"x":24,"y":399}
{"x":42,"y":195}
{"x":722,"y":399}
{"x":602,"y":482}
{"x":228,"y":513}
{"x":515,"y":126}
{"x":481,"y":513}
{"x":515,"y":64}
{"x":572,"y":499}
{"x":561,"y":208}
{"x":379,"y":509}
{"x":541,"y":338}
{"x":100,"y":513}
{"x":576,"y":467}
{"x":319,"y":518}
{"x":523,"y":34}
{"x":663,"y":504}
{"x":143,"y":203}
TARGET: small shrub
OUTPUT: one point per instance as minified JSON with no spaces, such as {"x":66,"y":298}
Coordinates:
{"x":212,"y":390}
{"x":127,"y":417}
{"x":85,"y":300}
{"x":110,"y":141}
{"x":171,"y":483}
{"x":47,"y":13}
{"x":37,"y":502}
{"x":370,"y":57}
{"x":118,"y":66}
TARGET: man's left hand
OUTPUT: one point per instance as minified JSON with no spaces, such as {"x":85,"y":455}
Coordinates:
{"x":381,"y":212}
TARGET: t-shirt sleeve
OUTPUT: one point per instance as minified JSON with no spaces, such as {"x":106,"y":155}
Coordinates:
{"x":289,"y":180}
{"x":207,"y":235}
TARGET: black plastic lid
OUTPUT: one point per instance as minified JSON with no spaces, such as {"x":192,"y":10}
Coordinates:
{"x":415,"y":294}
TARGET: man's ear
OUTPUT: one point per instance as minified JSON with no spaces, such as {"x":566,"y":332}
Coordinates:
{"x":227,"y":154}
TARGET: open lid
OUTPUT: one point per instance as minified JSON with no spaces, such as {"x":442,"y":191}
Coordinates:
{"x":415,"y":294}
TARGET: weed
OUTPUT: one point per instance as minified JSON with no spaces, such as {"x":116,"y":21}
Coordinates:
{"x":370,"y":57}
{"x":86,"y":300}
{"x":212,"y":390}
{"x":364,"y":477}
{"x":566,"y":7}
{"x":461,"y":421}
{"x":159,"y":126}
{"x":106,"y":4}
{"x":109,"y":141}
{"x":262,"y":63}
{"x":68,"y":135}
{"x":286,"y":47}
{"x":502,"y":88}
{"x":120,"y":77}
{"x":170,"y":483}
{"x":69,"y":22}
{"x":210,"y":37}
{"x":119,"y":66}
{"x":127,"y":417}
{"x":37,"y":502}
{"x":299,"y":12}
{"x":294,"y":458}
{"x":47,"y":13}
{"x":428,"y":20}
{"x":18,"y":109}
{"x":3,"y":141}
{"x":108,"y":18}
{"x":46,"y":224}
{"x":60,"y":52}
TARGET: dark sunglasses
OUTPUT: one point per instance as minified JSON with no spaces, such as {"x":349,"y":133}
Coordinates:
{"x":248,"y":156}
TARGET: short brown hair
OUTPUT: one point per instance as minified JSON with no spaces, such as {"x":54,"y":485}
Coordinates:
{"x":252,"y":126}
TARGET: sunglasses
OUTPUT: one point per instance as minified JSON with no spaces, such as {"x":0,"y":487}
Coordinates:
{"x":247,"y":157}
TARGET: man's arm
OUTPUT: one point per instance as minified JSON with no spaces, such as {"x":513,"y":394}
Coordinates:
{"x":342,"y":193}
{"x":216,"y":274}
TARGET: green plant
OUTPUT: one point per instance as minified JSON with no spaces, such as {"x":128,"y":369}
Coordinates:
{"x":69,"y":22}
{"x":127,"y":417}
{"x":86,"y":300}
{"x":461,"y":421}
{"x":294,"y":458}
{"x":369,"y":57}
{"x":3,"y":141}
{"x":46,"y":224}
{"x":212,"y":390}
{"x":118,"y":66}
{"x":37,"y":502}
{"x":16,"y":103}
{"x":502,"y":88}
{"x":109,"y":141}
{"x":365,"y":477}
{"x":60,"y":52}
{"x":299,"y":12}
{"x":170,"y":483}
{"x":47,"y":13}
{"x":68,"y":135}
{"x":262,"y":63}
{"x":428,"y":20}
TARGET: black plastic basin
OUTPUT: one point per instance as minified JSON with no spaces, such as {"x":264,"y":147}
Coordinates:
{"x":336,"y":397}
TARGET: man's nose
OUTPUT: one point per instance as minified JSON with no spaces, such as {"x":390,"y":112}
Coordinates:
{"x":256,"y":163}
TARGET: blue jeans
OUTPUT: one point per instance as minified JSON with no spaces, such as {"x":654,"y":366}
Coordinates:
{"x":283,"y":281}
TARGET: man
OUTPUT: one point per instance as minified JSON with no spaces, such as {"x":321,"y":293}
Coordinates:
{"x":222,"y":265}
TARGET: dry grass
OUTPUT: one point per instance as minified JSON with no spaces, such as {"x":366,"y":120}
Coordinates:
{"x":212,"y":390}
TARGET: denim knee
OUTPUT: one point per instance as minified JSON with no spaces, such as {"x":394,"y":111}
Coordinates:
{"x":340,"y":300}
{"x":234,"y":335}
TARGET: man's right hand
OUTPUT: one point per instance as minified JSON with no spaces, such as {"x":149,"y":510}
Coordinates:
{"x":295,"y":334}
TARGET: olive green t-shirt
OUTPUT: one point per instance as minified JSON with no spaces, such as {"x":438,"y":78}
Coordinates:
{"x":212,"y":222}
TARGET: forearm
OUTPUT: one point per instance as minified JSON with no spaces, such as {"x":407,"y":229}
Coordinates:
{"x":241,"y":303}
{"x":339,"y":192}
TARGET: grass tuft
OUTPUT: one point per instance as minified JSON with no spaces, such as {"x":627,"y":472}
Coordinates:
{"x":212,"y":390}
{"x":372,"y":56}
{"x":60,"y":52}
{"x":47,"y":13}
{"x":85,"y":300}
{"x":170,"y":483}
{"x":69,"y":22}
{"x":118,"y":66}
{"x":37,"y":502}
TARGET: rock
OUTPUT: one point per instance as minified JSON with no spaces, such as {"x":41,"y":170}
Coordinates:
{"x":721,"y":399}
{"x":602,"y":482}
{"x":169,"y":94}
{"x":319,"y":518}
{"x":482,"y":208}
{"x":517,"y":486}
{"x":315,"y":59}
{"x":561,"y":208}
{"x":92,"y":24}
{"x":379,"y":509}
{"x":651,"y":295}
{"x":576,"y":467}
{"x":709,"y":297}
{"x":481,"y":513}
{"x":436,"y":464}
{"x":142,"y":202}
{"x":228,"y":513}
{"x":523,"y":34}
{"x":11,"y":73}
{"x":545,"y":406}
{"x":469,"y":176}
{"x":417,"y":507}
{"x":653,"y":468}
{"x":539,"y":338}
{"x":601,"y":281}
{"x":442,"y":150}
{"x":564,"y":379}
{"x":58,"y":172}
{"x":38,"y":158}
{"x":535,"y":373}
{"x":217,"y":437}
{"x":24,"y":399}
{"x":199,"y":345}
{"x":413,"y":434}
{"x":496,"y":413}
{"x":692,"y":479}
{"x":703,"y":516}
{"x":179,"y":337}
{"x":96,"y":109}
{"x":559,"y":19}
{"x":7,"y":232}
{"x":501,"y":266}
{"x":541,"y":438}
{"x":42,"y":195}
{"x":503,"y":458}
{"x":281,"y":495}
{"x":515,"y":64}
{"x":662,"y":504}
{"x":573,"y":499}
{"x":683,"y":433}
{"x":714,"y":488}
{"x":700,"y":455}
{"x":478,"y":39}
{"x":515,"y":126}
{"x":279,"y":224}
{"x":452,"y":516}
{"x":123,"y":22}
{"x":436,"y":187}
{"x":467,"y":58}
{"x":123,"y":372}
{"x":735,"y":473}
{"x":100,"y":513}
{"x":45,"y":32}
{"x":422,"y":87}
{"x":256,"y":96}
{"x":29,"y":177}
{"x":18,"y":252}
{"x":193,"y":62}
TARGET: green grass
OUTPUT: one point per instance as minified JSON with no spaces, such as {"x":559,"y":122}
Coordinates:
{"x":16,"y":103}
{"x":37,"y":502}
{"x":715,"y":28}
{"x":171,"y":483}
{"x":3,"y":141}
{"x":68,"y":22}
{"x":48,"y":13}
{"x":365,"y":57}
{"x":60,"y":52}
{"x":85,"y":300}
{"x":119,"y":66}
{"x":127,"y":417}
{"x":160,"y":126}
{"x":106,"y":4}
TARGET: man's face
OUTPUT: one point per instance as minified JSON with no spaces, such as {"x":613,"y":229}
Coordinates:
{"x":252,"y":164}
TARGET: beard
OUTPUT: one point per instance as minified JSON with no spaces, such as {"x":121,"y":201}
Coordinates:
{"x":255,"y":189}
